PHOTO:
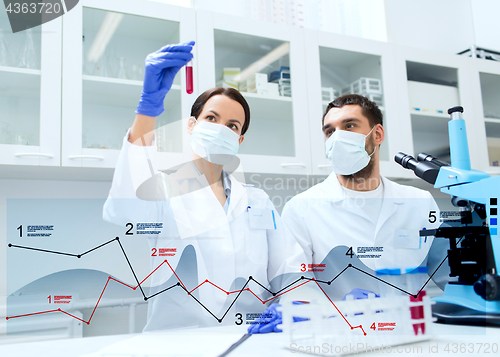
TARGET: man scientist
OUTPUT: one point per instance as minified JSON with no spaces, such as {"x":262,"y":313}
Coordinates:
{"x":375,"y":220}
{"x":357,"y":216}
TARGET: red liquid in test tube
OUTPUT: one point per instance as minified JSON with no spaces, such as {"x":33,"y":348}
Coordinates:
{"x":189,"y":77}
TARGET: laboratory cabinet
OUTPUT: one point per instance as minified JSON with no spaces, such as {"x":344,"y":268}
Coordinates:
{"x":429,"y":83}
{"x":75,"y":104}
{"x":266,"y":63}
{"x":104,"y":47}
{"x":30,"y":94}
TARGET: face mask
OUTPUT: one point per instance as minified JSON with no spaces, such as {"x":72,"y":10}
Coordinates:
{"x":214,"y":142}
{"x":346,"y":152}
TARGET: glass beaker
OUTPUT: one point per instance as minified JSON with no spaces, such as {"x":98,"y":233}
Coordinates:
{"x":122,"y":72}
{"x":27,"y":55}
{"x":5,"y":57}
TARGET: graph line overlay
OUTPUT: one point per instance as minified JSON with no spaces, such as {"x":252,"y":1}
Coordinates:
{"x":300,"y":281}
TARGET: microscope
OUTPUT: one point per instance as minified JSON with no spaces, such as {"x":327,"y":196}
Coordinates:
{"x":474,"y":254}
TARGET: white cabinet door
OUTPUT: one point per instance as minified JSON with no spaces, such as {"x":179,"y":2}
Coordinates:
{"x":272,"y":77}
{"x":485,"y":90}
{"x":105,"y":44}
{"x":30,"y":95}
{"x":430,"y":83}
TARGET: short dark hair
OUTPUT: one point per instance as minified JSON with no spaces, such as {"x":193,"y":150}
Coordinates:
{"x":228,"y":92}
{"x":369,"y":108}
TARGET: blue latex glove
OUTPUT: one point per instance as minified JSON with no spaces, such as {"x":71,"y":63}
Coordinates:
{"x":360,"y":294}
{"x":160,"y":70}
{"x":270,"y":319}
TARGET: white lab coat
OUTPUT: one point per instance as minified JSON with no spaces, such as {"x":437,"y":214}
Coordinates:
{"x":324,"y":217}
{"x":224,"y":249}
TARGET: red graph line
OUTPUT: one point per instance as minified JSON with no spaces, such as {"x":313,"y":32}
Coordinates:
{"x":352,"y":328}
{"x":206,"y":281}
{"x":284,"y":292}
{"x":175,"y":274}
{"x":64,"y":312}
{"x":34,"y":313}
{"x":146,"y":278}
{"x":188,"y":292}
{"x":95,"y":308}
{"x":219,"y":287}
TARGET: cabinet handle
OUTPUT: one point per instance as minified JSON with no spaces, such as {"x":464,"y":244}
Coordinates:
{"x":324,"y":166}
{"x":293,"y":165}
{"x":90,"y":157}
{"x":21,"y":154}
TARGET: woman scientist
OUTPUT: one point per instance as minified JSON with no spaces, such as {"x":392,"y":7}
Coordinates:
{"x":212,"y":230}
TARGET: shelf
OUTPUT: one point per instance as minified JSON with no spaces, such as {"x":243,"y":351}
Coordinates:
{"x":266,"y":97}
{"x":269,"y":108}
{"x":432,"y":74}
{"x":20,"y":70}
{"x":429,"y":114}
{"x":20,"y":82}
{"x":492,"y":120}
{"x":119,"y":92}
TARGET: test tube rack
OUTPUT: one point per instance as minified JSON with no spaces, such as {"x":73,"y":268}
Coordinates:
{"x":386,"y":321}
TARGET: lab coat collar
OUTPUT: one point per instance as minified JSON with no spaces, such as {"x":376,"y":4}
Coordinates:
{"x":231,"y":186}
{"x":333,"y":190}
{"x":391,"y":199}
{"x":335,"y":193}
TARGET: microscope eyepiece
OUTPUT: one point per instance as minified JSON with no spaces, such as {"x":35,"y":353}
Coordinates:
{"x":407,"y":161}
{"x":456,"y":109}
{"x":425,"y":157}
{"x":426,"y":170}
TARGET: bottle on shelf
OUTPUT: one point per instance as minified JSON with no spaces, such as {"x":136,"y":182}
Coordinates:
{"x":27,"y":55}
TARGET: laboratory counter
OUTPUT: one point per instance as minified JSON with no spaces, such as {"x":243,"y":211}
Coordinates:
{"x":447,"y":340}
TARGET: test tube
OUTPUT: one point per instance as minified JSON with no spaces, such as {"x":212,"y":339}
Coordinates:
{"x":416,"y":278}
{"x":189,"y":77}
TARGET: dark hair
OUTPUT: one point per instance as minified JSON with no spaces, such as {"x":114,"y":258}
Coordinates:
{"x":368,"y":108}
{"x":228,"y":92}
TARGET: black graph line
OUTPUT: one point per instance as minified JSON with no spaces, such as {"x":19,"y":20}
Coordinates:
{"x":43,"y":250}
{"x":236,"y":298}
{"x":244,"y":286}
{"x":331,"y":281}
{"x":198,"y":301}
{"x":160,"y":292}
{"x":99,"y":246}
{"x":286,"y":287}
{"x":314,"y":279}
{"x":133,"y":272}
{"x":373,"y":276}
{"x":435,"y":271}
{"x":262,"y":286}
